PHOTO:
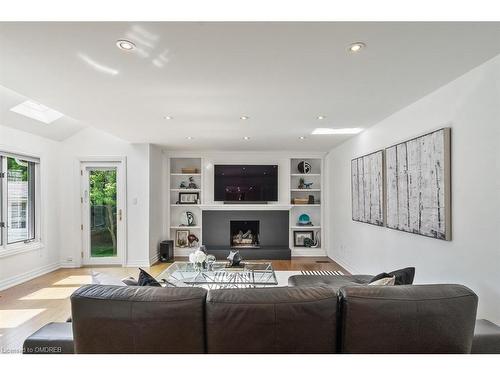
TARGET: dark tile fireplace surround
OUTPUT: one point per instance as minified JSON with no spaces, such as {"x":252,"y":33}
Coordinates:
{"x":256,"y":234}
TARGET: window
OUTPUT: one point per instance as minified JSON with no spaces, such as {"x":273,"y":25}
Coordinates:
{"x":18,"y":219}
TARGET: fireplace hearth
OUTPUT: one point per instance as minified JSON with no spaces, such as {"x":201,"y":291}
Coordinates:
{"x":244,"y":234}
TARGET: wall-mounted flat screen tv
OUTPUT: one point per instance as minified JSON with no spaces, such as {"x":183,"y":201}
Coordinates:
{"x":246,"y":183}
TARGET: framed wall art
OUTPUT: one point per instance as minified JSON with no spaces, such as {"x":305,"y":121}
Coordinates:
{"x":367,"y":188}
{"x":419,"y":185}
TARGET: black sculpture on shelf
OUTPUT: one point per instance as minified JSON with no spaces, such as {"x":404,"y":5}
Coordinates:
{"x":308,"y":242}
{"x":304,"y":167}
{"x":192,"y":184}
{"x":234,"y":258}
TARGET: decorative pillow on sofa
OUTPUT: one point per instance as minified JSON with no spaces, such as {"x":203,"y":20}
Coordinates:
{"x":130,"y":281}
{"x":403,"y":276}
{"x":382,"y":275}
{"x":145,"y":279}
{"x":384,"y":281}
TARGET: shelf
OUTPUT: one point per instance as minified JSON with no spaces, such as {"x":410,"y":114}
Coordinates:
{"x":305,"y":174}
{"x":185,"y":174}
{"x":306,"y":248}
{"x":187,"y":190}
{"x":305,"y":227}
{"x":306,"y":205}
{"x":245,"y":207}
{"x":305,"y":190}
{"x":185,"y":205}
{"x":185,"y":227}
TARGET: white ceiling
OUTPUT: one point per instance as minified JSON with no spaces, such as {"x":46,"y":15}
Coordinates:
{"x":206,"y":75}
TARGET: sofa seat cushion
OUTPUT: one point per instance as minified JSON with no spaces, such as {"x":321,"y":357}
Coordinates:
{"x":53,"y":338}
{"x":334,"y":282}
{"x":486,"y":338}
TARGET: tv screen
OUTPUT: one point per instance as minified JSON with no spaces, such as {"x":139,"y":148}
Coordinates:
{"x":246,"y":183}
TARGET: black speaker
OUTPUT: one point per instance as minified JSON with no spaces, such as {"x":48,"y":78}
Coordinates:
{"x":166,"y":251}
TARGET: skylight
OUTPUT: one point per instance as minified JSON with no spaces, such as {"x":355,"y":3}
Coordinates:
{"x":37,"y":111}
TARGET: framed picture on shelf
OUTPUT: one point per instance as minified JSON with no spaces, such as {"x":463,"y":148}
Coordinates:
{"x":188,"y":198}
{"x":181,"y":238}
{"x":299,"y":236}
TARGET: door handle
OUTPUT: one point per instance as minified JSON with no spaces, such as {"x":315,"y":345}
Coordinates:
{"x":120,"y":214}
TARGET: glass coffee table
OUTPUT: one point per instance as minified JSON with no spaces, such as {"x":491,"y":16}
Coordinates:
{"x":219,"y":275}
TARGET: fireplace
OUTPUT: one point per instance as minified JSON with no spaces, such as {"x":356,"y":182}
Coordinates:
{"x":244,"y":234}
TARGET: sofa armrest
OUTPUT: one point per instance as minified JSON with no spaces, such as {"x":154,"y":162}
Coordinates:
{"x":486,"y":338}
{"x":53,"y":338}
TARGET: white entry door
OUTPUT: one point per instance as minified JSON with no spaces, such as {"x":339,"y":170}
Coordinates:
{"x":102,"y":202}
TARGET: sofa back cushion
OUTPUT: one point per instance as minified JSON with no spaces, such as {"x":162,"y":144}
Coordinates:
{"x":407,"y":319}
{"x":129,"y":319}
{"x":272,"y":320}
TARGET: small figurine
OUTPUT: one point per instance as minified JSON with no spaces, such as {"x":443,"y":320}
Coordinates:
{"x":192,"y":184}
{"x":234,"y":258}
{"x":193,"y":240}
{"x":183,"y":185}
{"x":304,"y":185}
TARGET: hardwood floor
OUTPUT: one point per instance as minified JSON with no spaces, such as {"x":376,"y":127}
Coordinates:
{"x":27,"y":307}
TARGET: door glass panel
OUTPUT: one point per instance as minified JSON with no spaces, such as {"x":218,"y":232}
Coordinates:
{"x":20,"y":200}
{"x":102,"y":199}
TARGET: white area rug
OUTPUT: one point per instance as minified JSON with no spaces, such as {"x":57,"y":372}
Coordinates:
{"x":282,"y":276}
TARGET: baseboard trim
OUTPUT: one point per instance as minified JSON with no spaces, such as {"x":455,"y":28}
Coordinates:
{"x":27,"y":276}
{"x":345,"y":266}
{"x":70,"y":265}
{"x":154,"y":259}
{"x":138,"y":263}
{"x":308,"y":252}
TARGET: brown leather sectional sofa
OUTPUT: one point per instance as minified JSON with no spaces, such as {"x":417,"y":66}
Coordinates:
{"x":354,"y":319}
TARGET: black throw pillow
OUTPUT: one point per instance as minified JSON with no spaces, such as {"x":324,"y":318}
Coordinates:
{"x":404,"y":276}
{"x":382,"y":275}
{"x":145,"y":279}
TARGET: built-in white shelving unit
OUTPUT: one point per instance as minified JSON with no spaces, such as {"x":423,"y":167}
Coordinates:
{"x":314,"y":210}
{"x":176,"y":177}
{"x":289,"y":190}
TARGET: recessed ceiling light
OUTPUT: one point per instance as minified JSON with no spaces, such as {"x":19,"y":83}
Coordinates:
{"x":189,"y":137}
{"x":320,"y":117}
{"x":302,"y":137}
{"x":125,"y":45}
{"x":37,"y":111}
{"x":168,"y":117}
{"x":356,"y":47}
{"x":336,"y":131}
{"x":246,"y":138}
{"x":244,"y":118}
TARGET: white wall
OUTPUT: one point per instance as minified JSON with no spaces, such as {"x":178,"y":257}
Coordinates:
{"x":21,"y":267}
{"x":157,"y":194}
{"x":94,"y":143}
{"x":60,"y":198}
{"x":470,"y":105}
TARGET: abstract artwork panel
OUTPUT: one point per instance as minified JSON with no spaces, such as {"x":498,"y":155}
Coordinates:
{"x":418,"y":185}
{"x":367,"y":184}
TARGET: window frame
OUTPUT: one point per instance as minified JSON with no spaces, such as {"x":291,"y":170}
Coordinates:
{"x":35,"y":241}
